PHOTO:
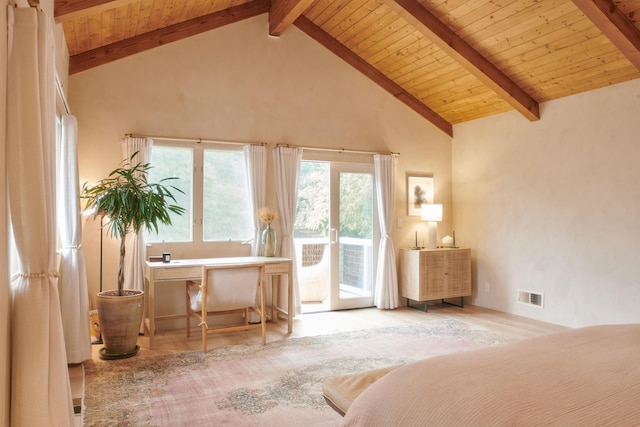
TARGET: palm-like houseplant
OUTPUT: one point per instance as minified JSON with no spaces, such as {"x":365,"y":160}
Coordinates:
{"x":128,"y":203}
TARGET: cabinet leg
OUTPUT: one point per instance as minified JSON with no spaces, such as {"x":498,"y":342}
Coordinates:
{"x":461,"y":305}
{"x":417,"y":308}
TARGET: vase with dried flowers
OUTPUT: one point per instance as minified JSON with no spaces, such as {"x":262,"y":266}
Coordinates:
{"x":268,"y":243}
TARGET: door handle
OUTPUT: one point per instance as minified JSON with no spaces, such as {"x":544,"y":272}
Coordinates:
{"x":334,"y":236}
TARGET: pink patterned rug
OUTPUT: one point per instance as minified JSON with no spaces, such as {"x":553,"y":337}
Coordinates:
{"x":253,"y":385}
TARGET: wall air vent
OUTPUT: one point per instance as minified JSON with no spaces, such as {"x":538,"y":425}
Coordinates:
{"x":530,"y":298}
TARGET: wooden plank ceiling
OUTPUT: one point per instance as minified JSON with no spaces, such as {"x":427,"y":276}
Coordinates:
{"x":449,"y":60}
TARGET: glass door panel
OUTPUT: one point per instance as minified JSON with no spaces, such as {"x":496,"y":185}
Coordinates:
{"x":353,"y":236}
{"x":335,"y":238}
{"x":311,"y":236}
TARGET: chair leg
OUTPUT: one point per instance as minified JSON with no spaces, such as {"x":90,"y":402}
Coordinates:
{"x":204,"y":336}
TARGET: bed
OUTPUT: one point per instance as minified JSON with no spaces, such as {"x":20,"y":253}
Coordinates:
{"x":586,"y":376}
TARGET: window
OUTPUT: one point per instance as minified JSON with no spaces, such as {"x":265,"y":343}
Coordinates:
{"x":174,"y":162}
{"x":226,"y":206}
{"x":216,"y":192}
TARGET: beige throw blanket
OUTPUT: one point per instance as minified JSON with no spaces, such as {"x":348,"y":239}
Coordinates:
{"x":587,"y":377}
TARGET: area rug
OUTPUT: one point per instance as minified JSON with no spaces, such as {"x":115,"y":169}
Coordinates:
{"x":279,"y":384}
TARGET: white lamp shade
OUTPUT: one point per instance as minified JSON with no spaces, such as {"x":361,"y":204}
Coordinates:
{"x":431,"y":212}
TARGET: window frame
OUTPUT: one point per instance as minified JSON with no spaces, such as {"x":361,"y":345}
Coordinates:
{"x":197,"y":198}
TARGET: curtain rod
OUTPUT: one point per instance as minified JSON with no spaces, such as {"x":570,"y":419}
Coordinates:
{"x":342,"y":150}
{"x":196,"y":140}
{"x":201,"y":140}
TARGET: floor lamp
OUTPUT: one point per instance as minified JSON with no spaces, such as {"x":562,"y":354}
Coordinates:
{"x":432,"y":213}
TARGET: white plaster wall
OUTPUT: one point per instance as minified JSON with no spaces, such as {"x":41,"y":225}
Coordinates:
{"x":553,"y":206}
{"x":237,"y":83}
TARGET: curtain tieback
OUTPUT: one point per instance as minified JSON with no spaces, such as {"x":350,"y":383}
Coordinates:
{"x":39,"y":275}
{"x":77,"y":247}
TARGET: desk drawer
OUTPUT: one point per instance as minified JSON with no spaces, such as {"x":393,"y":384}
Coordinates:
{"x":276,"y":268}
{"x":180,"y":273}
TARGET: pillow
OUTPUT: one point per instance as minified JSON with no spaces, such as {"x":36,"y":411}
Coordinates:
{"x":340,"y":392}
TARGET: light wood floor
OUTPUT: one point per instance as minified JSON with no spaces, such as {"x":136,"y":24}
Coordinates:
{"x":175,"y":341}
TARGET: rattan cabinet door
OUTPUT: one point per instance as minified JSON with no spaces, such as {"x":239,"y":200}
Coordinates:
{"x":458,"y":273}
{"x":433,"y":273}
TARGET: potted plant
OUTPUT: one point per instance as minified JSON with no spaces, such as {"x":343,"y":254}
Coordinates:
{"x":127,"y":202}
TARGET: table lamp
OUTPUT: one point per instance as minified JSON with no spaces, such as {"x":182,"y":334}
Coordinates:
{"x":432,"y":213}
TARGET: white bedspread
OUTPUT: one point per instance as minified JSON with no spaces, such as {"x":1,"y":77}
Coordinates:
{"x":579,"y":377}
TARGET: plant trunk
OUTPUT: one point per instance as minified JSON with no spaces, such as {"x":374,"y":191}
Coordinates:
{"x":121,"y":267}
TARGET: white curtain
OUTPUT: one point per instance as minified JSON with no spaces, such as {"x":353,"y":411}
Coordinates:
{"x":135,"y":249}
{"x":386,"y":291}
{"x":40,"y":389}
{"x":74,"y":295}
{"x":255,"y":158}
{"x":5,"y":290}
{"x":287,"y":169}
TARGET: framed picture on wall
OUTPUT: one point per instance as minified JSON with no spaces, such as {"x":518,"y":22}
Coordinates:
{"x":419,"y":191}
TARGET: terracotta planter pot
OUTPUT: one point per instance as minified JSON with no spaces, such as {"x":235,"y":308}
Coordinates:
{"x":120,"y":318}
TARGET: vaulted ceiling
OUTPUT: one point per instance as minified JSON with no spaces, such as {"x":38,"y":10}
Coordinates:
{"x":449,"y":60}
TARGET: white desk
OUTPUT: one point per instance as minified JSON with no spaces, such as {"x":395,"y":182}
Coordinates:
{"x":189,"y":269}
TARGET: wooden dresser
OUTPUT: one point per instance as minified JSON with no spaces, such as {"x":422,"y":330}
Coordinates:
{"x":430,"y":274}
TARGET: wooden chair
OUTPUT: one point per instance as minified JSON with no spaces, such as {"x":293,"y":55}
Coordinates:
{"x":226,"y":289}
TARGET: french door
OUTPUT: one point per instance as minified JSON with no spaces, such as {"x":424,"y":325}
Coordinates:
{"x":336,"y":235}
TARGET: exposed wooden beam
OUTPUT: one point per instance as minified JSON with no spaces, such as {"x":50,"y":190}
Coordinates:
{"x":102,"y":55}
{"x":284,"y":12}
{"x":439,"y":34}
{"x":365,"y":68}
{"x":66,"y":10}
{"x":615,"y":25}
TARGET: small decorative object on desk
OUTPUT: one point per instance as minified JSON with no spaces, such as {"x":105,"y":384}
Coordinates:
{"x":268,"y":247}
